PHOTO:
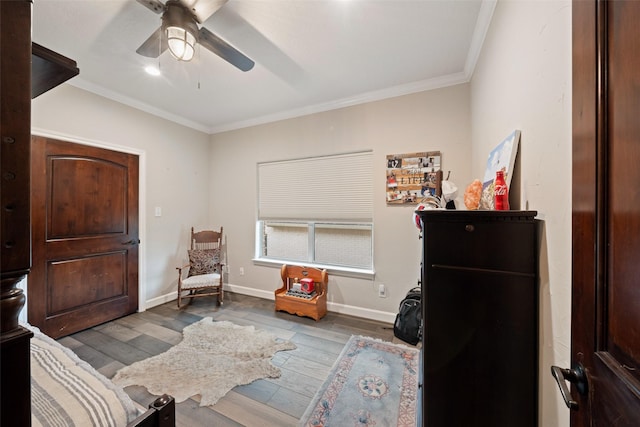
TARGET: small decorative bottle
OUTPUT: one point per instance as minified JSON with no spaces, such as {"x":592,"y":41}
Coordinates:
{"x":500,"y":192}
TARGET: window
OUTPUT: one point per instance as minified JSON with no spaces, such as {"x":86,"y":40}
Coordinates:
{"x":317,"y":211}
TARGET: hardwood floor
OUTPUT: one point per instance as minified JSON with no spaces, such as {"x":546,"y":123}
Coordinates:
{"x":269,"y":402}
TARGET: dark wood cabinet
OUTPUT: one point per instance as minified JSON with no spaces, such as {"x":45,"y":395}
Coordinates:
{"x":17,"y":83}
{"x":15,"y":250}
{"x":480,"y":314}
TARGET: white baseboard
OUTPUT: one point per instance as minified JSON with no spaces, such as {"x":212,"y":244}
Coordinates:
{"x":366,"y":313}
{"x":172,"y":296}
{"x":250,"y":291}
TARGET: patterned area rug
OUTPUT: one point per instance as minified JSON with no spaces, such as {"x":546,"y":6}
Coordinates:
{"x":212,"y":358}
{"x":373,"y":383}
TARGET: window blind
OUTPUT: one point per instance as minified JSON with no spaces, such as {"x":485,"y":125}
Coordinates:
{"x":328,"y":188}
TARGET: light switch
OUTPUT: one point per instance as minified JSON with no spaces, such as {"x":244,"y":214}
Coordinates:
{"x":158,"y":211}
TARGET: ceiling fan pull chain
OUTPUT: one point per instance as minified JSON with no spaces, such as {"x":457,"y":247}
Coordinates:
{"x":159,"y":52}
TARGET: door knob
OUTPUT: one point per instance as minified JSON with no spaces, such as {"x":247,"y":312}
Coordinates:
{"x":577,"y":376}
{"x":132,"y":242}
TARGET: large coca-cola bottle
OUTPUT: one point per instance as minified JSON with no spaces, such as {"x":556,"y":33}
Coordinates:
{"x":500,"y":192}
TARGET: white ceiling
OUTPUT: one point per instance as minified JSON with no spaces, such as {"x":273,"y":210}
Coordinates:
{"x":310,"y":55}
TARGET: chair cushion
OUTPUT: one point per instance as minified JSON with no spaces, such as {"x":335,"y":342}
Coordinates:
{"x":201,"y":281}
{"x":203,"y":261}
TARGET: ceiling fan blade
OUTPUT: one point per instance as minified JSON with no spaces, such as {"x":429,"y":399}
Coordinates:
{"x":154,"y":45}
{"x":153,"y":5}
{"x":224,"y":50}
{"x":201,"y":9}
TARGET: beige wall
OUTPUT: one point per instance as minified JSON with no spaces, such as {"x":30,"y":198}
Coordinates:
{"x":427,"y":121}
{"x":523,"y":81}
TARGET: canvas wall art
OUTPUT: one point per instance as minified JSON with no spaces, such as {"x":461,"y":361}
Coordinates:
{"x":412,"y":177}
{"x":502,"y":157}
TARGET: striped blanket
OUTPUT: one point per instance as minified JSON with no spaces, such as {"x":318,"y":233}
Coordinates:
{"x":66,"y":391}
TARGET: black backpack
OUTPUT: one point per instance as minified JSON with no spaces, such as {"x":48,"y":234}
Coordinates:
{"x":408,"y":324}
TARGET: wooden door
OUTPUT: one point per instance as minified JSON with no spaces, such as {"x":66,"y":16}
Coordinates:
{"x":84,"y":205}
{"x":606,"y":214}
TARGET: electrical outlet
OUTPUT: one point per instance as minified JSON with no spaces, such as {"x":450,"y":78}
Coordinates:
{"x":382,"y":291}
{"x":242,"y":271}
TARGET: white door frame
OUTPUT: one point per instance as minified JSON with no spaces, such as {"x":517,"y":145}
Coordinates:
{"x":142,"y":185}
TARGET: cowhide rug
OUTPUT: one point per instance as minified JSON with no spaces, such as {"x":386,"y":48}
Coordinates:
{"x":212,"y":358}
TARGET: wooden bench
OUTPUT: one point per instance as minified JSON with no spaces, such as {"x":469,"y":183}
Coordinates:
{"x":314,"y":306}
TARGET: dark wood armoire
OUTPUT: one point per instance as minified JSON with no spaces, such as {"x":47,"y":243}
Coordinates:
{"x":480,"y":318}
{"x":15,"y":261}
{"x":26,"y":70}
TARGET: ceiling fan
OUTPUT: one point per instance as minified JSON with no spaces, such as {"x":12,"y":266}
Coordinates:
{"x":179,"y":32}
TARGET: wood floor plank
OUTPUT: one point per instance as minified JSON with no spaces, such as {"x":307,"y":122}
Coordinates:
{"x":280,"y":358}
{"x":110,"y":346}
{"x":259,"y":390}
{"x":297,"y":382}
{"x":270,"y":319}
{"x":204,"y":306}
{"x":172,"y":323}
{"x":307,"y":367}
{"x":345,"y":320}
{"x":70,"y":342}
{"x":324,"y":357}
{"x":318,"y":343}
{"x":326,"y":334}
{"x":190,"y":414}
{"x":249,"y":412}
{"x":284,"y":334}
{"x":160,"y":332}
{"x":235,"y":309}
{"x":119,"y":332}
{"x":150,"y":344}
{"x":130,"y":321}
{"x":290,"y":402}
{"x":172,"y":312}
{"x":110,"y":369}
{"x":93,"y":357}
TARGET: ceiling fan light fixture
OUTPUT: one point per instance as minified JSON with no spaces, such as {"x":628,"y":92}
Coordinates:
{"x":181,"y":30}
{"x":181,"y":43}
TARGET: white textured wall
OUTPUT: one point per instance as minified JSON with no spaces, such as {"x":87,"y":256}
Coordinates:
{"x":427,"y":121}
{"x":175,"y":176}
{"x":523,"y":81}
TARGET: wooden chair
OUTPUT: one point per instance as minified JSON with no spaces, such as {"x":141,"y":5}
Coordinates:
{"x":204,"y":271}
